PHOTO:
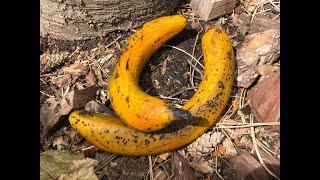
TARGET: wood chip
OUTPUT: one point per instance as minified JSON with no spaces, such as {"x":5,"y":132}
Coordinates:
{"x":210,"y":9}
{"x":257,"y":49}
{"x":265,"y":98}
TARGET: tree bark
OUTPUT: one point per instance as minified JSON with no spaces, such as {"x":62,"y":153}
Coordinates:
{"x":86,"y":19}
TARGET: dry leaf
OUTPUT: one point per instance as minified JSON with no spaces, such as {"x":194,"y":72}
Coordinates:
{"x":59,"y":142}
{"x":75,"y":69}
{"x":91,"y":79}
{"x":81,"y":169}
{"x":265,"y":98}
{"x":247,"y":167}
{"x":97,"y":107}
{"x":64,"y":81}
{"x":66,"y":165}
{"x":53,"y":111}
{"x":49,"y":114}
{"x":181,"y":169}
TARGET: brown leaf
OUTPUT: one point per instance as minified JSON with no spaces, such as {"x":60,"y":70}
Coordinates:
{"x":247,"y":167}
{"x":55,"y":110}
{"x":82,"y":97}
{"x":265,"y":98}
{"x":49,"y":114}
{"x":91,"y":79}
{"x":75,"y":69}
{"x":59,"y":142}
{"x":64,"y":81}
{"x":181,"y":169}
{"x":97,"y":107}
{"x":265,"y":69}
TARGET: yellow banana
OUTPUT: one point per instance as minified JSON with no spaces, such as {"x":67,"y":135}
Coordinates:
{"x":138,"y":109}
{"x":110,"y":134}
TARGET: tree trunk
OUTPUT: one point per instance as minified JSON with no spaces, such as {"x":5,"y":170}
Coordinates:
{"x":85,"y":19}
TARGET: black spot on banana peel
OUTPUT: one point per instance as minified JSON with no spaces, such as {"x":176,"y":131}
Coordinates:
{"x":207,"y":103}
{"x":152,"y":113}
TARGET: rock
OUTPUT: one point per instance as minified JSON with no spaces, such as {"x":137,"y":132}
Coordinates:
{"x":210,"y":9}
{"x":265,"y":98}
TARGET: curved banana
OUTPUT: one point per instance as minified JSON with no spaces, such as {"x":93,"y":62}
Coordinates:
{"x":111,"y":135}
{"x":138,"y":109}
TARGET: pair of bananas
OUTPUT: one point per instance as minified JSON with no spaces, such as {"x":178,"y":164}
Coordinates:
{"x":143,"y":119}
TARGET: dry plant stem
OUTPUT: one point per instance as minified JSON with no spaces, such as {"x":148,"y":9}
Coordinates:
{"x":257,"y":150}
{"x":110,"y":158}
{"x":244,"y":126}
{"x":192,"y":72}
{"x":172,"y":175}
{"x":182,"y":91}
{"x":113,"y":41}
{"x":46,"y":94}
{"x":150,"y":168}
{"x":274,"y":5}
{"x":99,"y":66}
{"x":190,"y":63}
{"x":193,"y":50}
{"x":164,"y":168}
{"x":172,"y":98}
{"x":265,"y":148}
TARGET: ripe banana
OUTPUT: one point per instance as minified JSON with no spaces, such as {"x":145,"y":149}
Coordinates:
{"x":138,"y":109}
{"x":110,"y":134}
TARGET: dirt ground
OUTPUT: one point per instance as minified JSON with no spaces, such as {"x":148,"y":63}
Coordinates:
{"x":166,"y":75}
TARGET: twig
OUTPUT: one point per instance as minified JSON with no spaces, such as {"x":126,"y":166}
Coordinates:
{"x":182,"y":91}
{"x":171,"y":98}
{"x":46,"y":94}
{"x":266,"y":148}
{"x":113,"y":41}
{"x":193,"y":50}
{"x":150,"y":168}
{"x":172,"y":175}
{"x":244,"y":125}
{"x":190,"y":63}
{"x":108,"y":159}
{"x":274,"y":5}
{"x":257,"y":150}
